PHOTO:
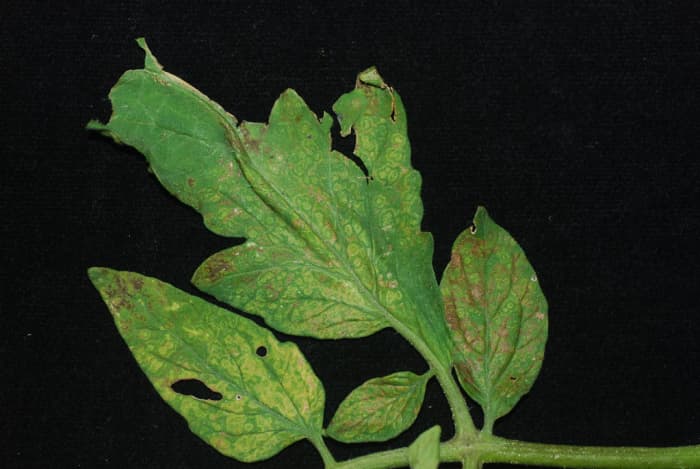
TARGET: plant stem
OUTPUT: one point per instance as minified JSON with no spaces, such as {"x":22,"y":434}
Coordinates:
{"x":519,"y":452}
{"x":489,"y":449}
{"x":326,"y":456}
{"x":464,"y":425}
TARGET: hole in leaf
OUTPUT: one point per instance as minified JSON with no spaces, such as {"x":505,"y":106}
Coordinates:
{"x":472,"y":229}
{"x":261,"y":351}
{"x":346,"y":146}
{"x":195,"y":388}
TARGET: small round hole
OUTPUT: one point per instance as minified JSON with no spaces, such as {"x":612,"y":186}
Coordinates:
{"x":261,"y":351}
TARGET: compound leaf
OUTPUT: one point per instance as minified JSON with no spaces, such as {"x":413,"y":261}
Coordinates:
{"x":498,"y":316}
{"x":256,"y":395}
{"x":424,"y":452}
{"x":379,"y":409}
{"x":330,"y":253}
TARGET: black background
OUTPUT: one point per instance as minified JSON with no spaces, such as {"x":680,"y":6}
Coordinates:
{"x":576,"y":124}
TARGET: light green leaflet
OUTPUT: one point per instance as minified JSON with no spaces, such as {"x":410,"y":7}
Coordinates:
{"x":269,"y":395}
{"x":379,"y":409}
{"x":329,"y":252}
{"x":497,"y":314}
{"x":424,"y":453}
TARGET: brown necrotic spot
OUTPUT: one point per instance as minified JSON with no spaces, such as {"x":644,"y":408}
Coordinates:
{"x":195,"y":388}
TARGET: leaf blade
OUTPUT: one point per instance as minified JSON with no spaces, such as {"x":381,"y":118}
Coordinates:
{"x":379,"y":409}
{"x":266,"y":402}
{"x":376,"y":115}
{"x":281,"y":186}
{"x":497,"y":314}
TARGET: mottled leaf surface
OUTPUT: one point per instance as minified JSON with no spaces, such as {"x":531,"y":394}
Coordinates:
{"x":330,"y":253}
{"x":379,"y":409}
{"x":424,"y":453}
{"x":268,"y":395}
{"x":498,"y":316}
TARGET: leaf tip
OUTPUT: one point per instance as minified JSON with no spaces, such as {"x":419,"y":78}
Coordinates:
{"x":371,"y":77}
{"x":424,"y":452}
{"x":104,"y":129}
{"x":150,"y":62}
{"x":94,"y":124}
{"x":98,"y":275}
{"x":480,"y":221}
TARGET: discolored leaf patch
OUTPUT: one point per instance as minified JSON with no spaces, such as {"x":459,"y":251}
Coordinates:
{"x":330,"y":253}
{"x":379,"y":409}
{"x":207,"y":364}
{"x":497,"y":314}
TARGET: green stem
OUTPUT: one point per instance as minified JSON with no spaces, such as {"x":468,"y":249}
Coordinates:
{"x":449,"y":452}
{"x":520,"y":452}
{"x":487,"y":428}
{"x":464,"y":425}
{"x":489,"y":449}
{"x":320,"y":445}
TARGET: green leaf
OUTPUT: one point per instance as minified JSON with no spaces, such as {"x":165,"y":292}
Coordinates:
{"x":330,"y":253}
{"x":424,"y":453}
{"x":263,"y":394}
{"x":379,"y":409}
{"x":498,"y":316}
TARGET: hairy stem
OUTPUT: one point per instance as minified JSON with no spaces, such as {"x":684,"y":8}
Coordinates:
{"x":489,"y":449}
{"x":519,"y":452}
{"x":464,"y":426}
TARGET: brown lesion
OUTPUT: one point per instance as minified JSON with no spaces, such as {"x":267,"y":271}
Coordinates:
{"x":250,"y":143}
{"x":215,"y":268}
{"x":451,"y":314}
{"x":465,"y":372}
{"x":274,"y":292}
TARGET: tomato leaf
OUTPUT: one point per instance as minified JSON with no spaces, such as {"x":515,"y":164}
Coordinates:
{"x":330,"y":253}
{"x":498,"y":316}
{"x":379,"y":409}
{"x":424,"y":452}
{"x":251,"y":395}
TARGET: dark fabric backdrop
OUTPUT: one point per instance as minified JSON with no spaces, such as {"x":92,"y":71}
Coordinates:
{"x":575,"y":123}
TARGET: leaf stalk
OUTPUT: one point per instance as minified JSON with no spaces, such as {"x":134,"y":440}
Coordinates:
{"x":328,"y":459}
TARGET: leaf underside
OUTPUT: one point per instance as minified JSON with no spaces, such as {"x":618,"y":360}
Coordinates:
{"x":497,"y":314}
{"x":379,"y":409}
{"x":267,"y":395}
{"x":330,"y":253}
